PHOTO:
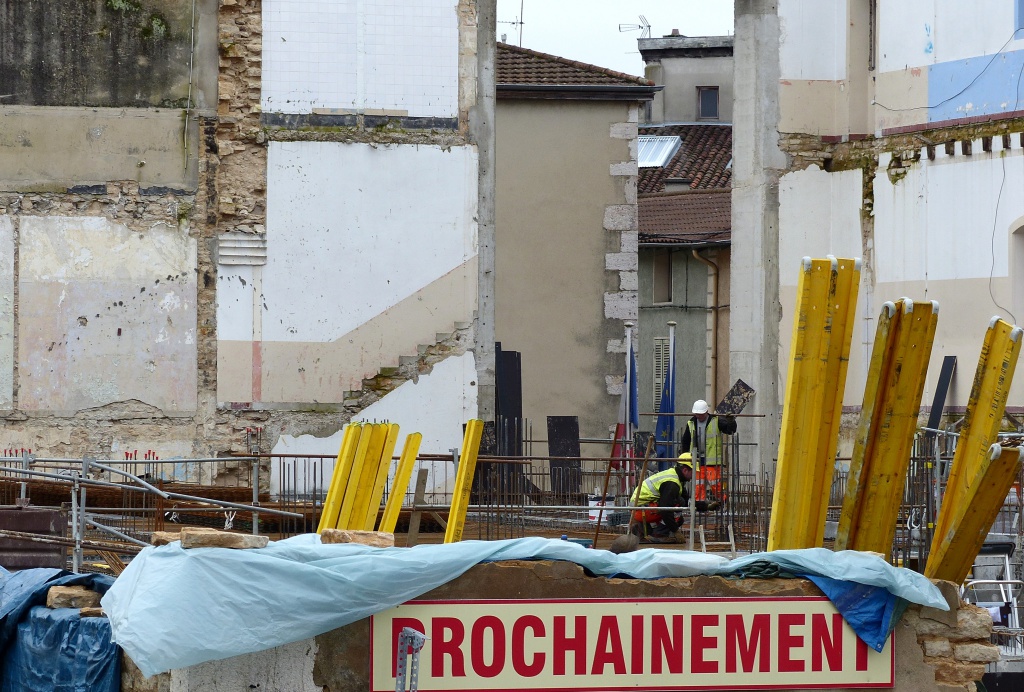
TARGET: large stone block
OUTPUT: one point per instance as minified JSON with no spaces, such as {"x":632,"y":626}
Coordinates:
{"x":976,"y":652}
{"x":620,"y":217}
{"x":71,"y":597}
{"x":376,"y":539}
{"x":191,"y":538}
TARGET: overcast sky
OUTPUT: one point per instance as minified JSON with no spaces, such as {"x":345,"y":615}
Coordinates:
{"x":588,"y":30}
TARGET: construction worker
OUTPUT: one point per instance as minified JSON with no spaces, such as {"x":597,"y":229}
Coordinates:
{"x":703,"y":439}
{"x":667,"y":491}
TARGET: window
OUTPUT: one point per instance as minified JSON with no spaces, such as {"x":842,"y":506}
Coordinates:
{"x":707,"y":103}
{"x":662,"y":276}
{"x":661,"y":356}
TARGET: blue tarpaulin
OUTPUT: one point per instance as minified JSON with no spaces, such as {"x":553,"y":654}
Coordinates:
{"x":53,"y":650}
{"x":173,"y":608}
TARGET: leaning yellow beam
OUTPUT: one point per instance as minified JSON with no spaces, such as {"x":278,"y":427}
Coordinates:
{"x":377,"y":491}
{"x":962,"y":503}
{"x":464,"y":481}
{"x":367,"y":476}
{"x":351,"y":489}
{"x":892,"y":400}
{"x":820,"y":352}
{"x":974,"y":518}
{"x":400,"y":483}
{"x":339,"y":478}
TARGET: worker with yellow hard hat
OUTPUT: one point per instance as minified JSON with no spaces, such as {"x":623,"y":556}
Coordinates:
{"x":667,"y":491}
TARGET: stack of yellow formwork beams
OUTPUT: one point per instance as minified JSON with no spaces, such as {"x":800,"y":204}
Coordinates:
{"x":888,"y":421}
{"x":982,"y":473}
{"x":360,"y":474}
{"x":464,"y":481}
{"x":822,"y":330}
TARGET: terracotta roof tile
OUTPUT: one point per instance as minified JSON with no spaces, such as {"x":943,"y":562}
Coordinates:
{"x":517,"y":65}
{"x":702,"y":159}
{"x":686,"y":217}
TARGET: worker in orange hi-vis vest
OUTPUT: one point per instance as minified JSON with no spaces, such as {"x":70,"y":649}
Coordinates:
{"x":703,"y":440}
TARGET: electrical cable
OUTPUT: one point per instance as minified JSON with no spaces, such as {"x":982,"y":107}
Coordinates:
{"x":995,"y":214}
{"x":969,"y":85}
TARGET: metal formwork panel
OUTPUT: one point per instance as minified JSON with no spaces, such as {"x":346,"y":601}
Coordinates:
{"x":885,"y":433}
{"x":819,"y":356}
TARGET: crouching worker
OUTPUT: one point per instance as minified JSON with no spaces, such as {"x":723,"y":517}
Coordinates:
{"x":665,"y":493}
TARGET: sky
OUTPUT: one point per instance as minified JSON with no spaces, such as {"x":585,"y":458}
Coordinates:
{"x":588,"y":30}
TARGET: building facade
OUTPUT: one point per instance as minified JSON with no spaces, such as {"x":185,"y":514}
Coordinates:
{"x":218,"y":215}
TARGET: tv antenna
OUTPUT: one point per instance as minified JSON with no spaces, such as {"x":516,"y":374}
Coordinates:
{"x":517,"y":23}
{"x":644,"y":27}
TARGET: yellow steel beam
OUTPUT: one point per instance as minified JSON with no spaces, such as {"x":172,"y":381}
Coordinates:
{"x":974,"y":518}
{"x":400,"y":483}
{"x":339,"y":478}
{"x":892,"y":400}
{"x":383,"y":467}
{"x":351,"y":489}
{"x":464,"y":481}
{"x":962,"y":503}
{"x":819,"y":356}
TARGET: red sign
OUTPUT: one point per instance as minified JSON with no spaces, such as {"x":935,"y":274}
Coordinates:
{"x":617,"y":644}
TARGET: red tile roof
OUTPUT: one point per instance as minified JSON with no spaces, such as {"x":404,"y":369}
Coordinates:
{"x":517,"y":65}
{"x":702,"y":159}
{"x":688,"y":217}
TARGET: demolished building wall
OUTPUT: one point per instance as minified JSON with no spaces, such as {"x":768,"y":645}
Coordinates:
{"x":210,"y":221}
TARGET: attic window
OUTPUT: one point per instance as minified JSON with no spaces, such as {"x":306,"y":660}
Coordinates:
{"x":707,"y":103}
{"x":655,"y":151}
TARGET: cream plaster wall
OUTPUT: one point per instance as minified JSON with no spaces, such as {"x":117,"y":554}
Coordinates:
{"x":554,"y":160}
{"x":106,"y":314}
{"x":371,"y":252}
{"x":6,"y":313}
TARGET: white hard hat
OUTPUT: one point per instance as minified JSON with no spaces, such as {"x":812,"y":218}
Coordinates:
{"x":700,"y":406}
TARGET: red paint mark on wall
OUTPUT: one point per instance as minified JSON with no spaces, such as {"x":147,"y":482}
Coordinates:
{"x":915,"y":71}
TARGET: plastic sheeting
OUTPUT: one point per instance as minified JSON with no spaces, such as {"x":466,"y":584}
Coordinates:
{"x":173,"y":608}
{"x":53,"y":650}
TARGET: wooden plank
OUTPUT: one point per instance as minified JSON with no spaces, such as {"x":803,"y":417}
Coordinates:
{"x":383,"y":467}
{"x":339,"y":478}
{"x":464,"y":481}
{"x":401,"y":482}
{"x":974,"y":518}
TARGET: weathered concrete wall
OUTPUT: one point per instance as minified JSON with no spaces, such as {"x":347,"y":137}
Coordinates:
{"x":566,"y":262}
{"x":138,"y":53}
{"x":754,"y":283}
{"x":106,"y":314}
{"x":936,"y":651}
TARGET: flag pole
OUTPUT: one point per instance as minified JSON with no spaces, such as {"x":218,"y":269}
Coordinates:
{"x":629,"y":424}
{"x":672,"y":378}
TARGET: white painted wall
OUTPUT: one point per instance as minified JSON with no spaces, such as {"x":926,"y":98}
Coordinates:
{"x":437,"y":406}
{"x":352,"y":229}
{"x":915,"y":33}
{"x":958,"y":233}
{"x":286,"y":667}
{"x":235,"y":288}
{"x":6,"y":312}
{"x":813,"y":42}
{"x":106,"y":314}
{"x":819,"y":213}
{"x":361,"y":54}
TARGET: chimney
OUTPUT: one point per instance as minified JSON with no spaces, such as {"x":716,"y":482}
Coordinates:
{"x":675,"y":32}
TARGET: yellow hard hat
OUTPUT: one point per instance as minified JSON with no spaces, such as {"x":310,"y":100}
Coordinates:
{"x":685,"y":459}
